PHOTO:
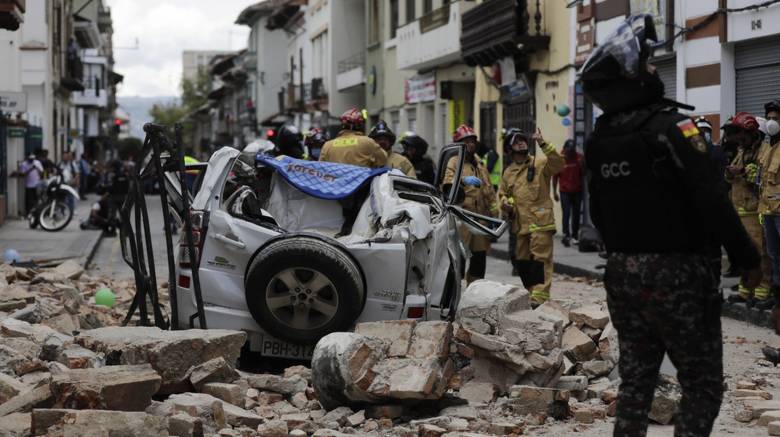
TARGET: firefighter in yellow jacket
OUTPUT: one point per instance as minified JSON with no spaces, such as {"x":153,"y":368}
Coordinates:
{"x":352,"y":146}
{"x":743,"y":129}
{"x":524,"y":194}
{"x":479,"y":197}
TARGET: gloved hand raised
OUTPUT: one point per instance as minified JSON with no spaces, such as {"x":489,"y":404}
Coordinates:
{"x":472,"y":181}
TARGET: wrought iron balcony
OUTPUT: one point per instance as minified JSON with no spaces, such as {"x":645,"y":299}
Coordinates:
{"x":351,"y":72}
{"x":496,"y":29}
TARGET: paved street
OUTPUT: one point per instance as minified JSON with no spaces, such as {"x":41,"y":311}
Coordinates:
{"x":37,"y":244}
{"x":108,"y":258}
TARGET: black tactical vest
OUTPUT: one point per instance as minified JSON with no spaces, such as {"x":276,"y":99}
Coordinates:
{"x":638,"y":200}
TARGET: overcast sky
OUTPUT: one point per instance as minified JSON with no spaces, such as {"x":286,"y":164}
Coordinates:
{"x":164,"y":28}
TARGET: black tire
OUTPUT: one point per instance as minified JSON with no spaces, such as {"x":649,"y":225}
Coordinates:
{"x":62,"y":208}
{"x":303,"y":275}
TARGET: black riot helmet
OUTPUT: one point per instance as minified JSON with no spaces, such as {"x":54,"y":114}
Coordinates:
{"x":289,"y":141}
{"x":411,"y":139}
{"x":616,"y":76}
{"x":381,"y":129}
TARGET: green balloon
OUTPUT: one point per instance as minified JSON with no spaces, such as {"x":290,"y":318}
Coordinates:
{"x":105,"y":297}
{"x":563,"y":110}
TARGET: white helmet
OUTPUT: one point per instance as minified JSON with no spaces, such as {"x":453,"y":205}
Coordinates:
{"x":259,"y":146}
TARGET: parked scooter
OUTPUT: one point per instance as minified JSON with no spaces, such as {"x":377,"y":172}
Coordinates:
{"x":52,"y":212}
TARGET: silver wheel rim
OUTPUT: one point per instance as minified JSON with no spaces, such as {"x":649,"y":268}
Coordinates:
{"x":54,"y":220}
{"x":302,"y":298}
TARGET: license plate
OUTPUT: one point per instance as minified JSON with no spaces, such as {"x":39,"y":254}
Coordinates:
{"x":271,"y":347}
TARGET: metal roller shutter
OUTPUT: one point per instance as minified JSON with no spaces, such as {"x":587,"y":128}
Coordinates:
{"x":667,"y":70}
{"x":757,"y":64}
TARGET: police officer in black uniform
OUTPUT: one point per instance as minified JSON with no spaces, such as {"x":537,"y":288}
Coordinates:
{"x":657,"y":203}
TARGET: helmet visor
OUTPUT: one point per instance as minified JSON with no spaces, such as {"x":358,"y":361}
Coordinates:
{"x":621,"y":53}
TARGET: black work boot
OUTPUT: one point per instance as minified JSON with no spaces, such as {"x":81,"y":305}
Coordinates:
{"x":738,"y":298}
{"x":771,"y":354}
{"x":765,"y":304}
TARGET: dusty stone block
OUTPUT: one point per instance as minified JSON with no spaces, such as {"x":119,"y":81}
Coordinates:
{"x":590,"y":315}
{"x":101,"y":422}
{"x":122,"y":388}
{"x":230,"y":393}
{"x":577,"y":345}
{"x":431,"y":340}
{"x":278,"y":384}
{"x":478,"y":393}
{"x":398,"y":333}
{"x":214,"y":370}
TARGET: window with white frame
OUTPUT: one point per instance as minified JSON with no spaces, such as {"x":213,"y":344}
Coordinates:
{"x":395,"y":121}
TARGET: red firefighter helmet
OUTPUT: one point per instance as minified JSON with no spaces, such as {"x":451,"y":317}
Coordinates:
{"x":353,"y":119}
{"x":463,"y":132}
{"x":742,"y":120}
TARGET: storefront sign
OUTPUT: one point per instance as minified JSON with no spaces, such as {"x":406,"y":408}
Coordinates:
{"x":13,"y":102}
{"x":420,"y":89}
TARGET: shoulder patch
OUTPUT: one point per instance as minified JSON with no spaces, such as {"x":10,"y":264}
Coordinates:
{"x":688,"y":128}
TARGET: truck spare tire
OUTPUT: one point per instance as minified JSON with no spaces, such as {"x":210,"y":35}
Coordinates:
{"x":300,"y":289}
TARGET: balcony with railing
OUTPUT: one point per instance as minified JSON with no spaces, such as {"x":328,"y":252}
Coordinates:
{"x":500,"y":28}
{"x":351,"y":72}
{"x":314,"y":94}
{"x":93,"y":95}
{"x":432,"y":40}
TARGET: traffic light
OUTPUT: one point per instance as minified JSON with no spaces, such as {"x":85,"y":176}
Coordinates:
{"x":117,"y":125}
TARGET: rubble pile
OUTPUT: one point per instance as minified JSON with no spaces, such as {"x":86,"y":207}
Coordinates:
{"x":500,"y":368}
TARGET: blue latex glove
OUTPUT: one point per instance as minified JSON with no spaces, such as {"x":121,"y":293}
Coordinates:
{"x":472,"y":181}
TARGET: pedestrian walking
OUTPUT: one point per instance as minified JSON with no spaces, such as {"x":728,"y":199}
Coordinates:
{"x":479,"y":197}
{"x":742,"y":174}
{"x":525,"y":194}
{"x":569,"y":184}
{"x":32,"y":171}
{"x":656,"y":201}
{"x":416,"y":149}
{"x":385,"y":137}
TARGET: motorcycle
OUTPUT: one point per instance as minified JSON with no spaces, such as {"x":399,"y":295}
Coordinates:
{"x":52,"y":212}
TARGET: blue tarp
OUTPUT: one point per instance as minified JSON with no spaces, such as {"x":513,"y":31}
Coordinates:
{"x":326,"y":180}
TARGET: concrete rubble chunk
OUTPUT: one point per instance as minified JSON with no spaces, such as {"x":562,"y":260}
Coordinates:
{"x":121,"y":388}
{"x":597,"y":368}
{"x":338,"y":415}
{"x":207,"y":406}
{"x":63,"y":323}
{"x":462,"y":411}
{"x":590,"y":315}
{"x":757,"y":407}
{"x":33,"y":332}
{"x":751,"y":393}
{"x":213,"y":370}
{"x":356,"y":419}
{"x":533,"y":329}
{"x":39,"y":397}
{"x":273,"y":428}
{"x":70,"y":270}
{"x":478,"y":393}
{"x":384,"y":411}
{"x":77,"y":357}
{"x":352,"y":369}
{"x":768,"y":416}
{"x":773,"y":428}
{"x":534,"y":400}
{"x":576,"y":345}
{"x":302,"y":371}
{"x":183,"y":425}
{"x":556,"y":309}
{"x":100,"y":422}
{"x":15,"y":425}
{"x":10,"y":387}
{"x":431,"y":340}
{"x":609,"y":349}
{"x":666,"y":402}
{"x":231,"y":393}
{"x":429,"y":430}
{"x":398,"y":333}
{"x":572,"y":383}
{"x":278,"y":384}
{"x":171,"y":353}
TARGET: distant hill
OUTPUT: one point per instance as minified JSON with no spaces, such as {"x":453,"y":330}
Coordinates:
{"x":138,"y":109}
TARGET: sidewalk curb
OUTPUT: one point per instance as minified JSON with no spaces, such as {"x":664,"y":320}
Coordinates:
{"x":93,"y":250}
{"x":560,"y":268}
